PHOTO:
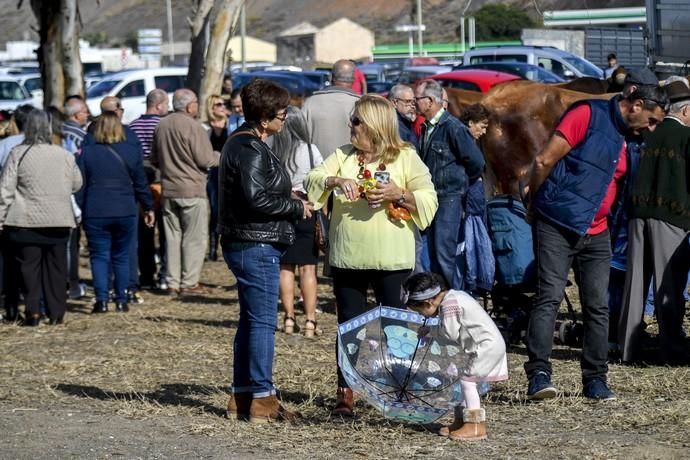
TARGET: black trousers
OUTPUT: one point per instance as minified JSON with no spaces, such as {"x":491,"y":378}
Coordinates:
{"x":146,"y":251}
{"x":73,"y":263}
{"x":556,"y":250}
{"x":41,"y":270}
{"x":350,"y":288}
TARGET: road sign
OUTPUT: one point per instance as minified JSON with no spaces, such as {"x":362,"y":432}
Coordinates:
{"x":410,"y":28}
{"x":149,"y":44}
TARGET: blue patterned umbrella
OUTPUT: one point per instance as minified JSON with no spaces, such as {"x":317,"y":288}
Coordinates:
{"x":406,"y":377}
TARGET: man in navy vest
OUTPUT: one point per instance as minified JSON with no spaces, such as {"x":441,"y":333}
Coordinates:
{"x":574,"y":182}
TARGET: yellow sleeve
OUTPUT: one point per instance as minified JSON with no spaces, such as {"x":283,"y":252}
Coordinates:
{"x":315,"y":181}
{"x":418,"y":182}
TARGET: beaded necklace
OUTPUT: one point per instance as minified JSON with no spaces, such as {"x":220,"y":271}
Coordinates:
{"x":364,"y":173}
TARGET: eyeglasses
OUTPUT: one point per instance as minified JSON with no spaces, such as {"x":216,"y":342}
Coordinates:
{"x":405,"y":101}
{"x":282,"y":117}
{"x":355,"y":121}
{"x":218,"y":104}
{"x":419,"y":98}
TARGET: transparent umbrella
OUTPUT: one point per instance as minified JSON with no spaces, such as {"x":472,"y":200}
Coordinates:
{"x":406,"y":377}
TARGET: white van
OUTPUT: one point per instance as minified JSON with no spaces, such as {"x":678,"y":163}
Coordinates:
{"x":132,"y":86}
{"x":564,"y":64}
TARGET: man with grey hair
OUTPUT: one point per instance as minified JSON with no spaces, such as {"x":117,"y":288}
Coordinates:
{"x":183,"y":152}
{"x":454,"y":160}
{"x":658,"y":234}
{"x":73,"y":129}
{"x":402,"y":98}
{"x":328,"y":111}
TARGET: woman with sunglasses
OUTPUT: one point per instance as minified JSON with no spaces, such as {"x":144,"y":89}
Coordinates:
{"x":217,"y":126}
{"x":256,"y":216}
{"x":382,"y":191}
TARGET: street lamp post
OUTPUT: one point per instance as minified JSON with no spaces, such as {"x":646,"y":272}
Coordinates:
{"x":410,"y":28}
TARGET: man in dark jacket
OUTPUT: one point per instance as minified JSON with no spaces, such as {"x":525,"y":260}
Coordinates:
{"x":402,"y":98}
{"x":455,"y":161}
{"x":573,"y":185}
{"x":658,"y":233}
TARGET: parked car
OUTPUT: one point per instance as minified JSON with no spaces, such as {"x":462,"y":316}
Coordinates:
{"x":294,"y":82}
{"x":379,"y":87}
{"x":522,"y":70}
{"x":473,"y":80}
{"x":565,"y":65}
{"x":320,"y":78}
{"x":12,"y":93}
{"x":412,"y":74}
{"x":33,"y":85}
{"x":132,"y":86}
{"x":376,"y":71}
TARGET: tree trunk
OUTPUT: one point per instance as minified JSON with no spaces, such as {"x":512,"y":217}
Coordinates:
{"x":72,"y":68}
{"x":49,"y":51}
{"x":198,"y":24}
{"x":227,"y":12}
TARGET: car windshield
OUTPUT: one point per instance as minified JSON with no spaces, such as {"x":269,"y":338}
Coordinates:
{"x":587,"y":68}
{"x":32,"y":84}
{"x":11,"y":91}
{"x":101,"y":88}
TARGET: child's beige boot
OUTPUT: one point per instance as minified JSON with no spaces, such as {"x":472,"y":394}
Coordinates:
{"x":456,"y":425}
{"x":474,"y":428}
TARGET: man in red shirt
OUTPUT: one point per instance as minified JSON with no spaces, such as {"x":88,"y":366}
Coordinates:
{"x":574,"y":183}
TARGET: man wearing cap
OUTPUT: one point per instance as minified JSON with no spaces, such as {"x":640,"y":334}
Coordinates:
{"x":574,"y":182}
{"x":658,"y":233}
{"x":637,"y":77}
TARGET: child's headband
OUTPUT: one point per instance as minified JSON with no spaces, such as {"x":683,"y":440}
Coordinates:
{"x":421,"y":295}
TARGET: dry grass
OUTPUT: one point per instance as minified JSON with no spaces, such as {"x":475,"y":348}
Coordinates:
{"x":171,"y":360}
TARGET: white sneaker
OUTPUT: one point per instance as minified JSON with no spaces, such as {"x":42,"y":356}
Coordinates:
{"x":77,"y":292}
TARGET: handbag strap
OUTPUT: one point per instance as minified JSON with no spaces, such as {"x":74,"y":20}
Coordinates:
{"x":121,"y":160}
{"x":311,"y":156}
{"x":21,"y":158}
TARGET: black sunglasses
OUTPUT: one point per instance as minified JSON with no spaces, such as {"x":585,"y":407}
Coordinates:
{"x":355,"y":121}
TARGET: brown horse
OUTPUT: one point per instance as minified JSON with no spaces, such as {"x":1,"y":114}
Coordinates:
{"x":523,"y":117}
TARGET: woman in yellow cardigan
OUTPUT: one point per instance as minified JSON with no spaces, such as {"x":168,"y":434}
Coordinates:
{"x":382,"y":191}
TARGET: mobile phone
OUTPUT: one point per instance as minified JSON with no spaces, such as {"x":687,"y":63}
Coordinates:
{"x":383,"y":177}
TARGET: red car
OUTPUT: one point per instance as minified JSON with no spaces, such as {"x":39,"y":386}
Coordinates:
{"x":473,"y":79}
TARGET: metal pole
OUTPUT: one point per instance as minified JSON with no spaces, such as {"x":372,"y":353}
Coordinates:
{"x":419,"y":25}
{"x":471,"y":23}
{"x":410,"y":42}
{"x":243,"y":34}
{"x":170,"y":31}
{"x":462,"y":32}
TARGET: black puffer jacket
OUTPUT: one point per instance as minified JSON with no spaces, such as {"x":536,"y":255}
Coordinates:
{"x":254,"y":193}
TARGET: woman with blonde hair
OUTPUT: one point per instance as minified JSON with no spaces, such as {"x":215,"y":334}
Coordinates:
{"x":114,"y":181}
{"x":382,"y":191}
{"x":217,"y":126}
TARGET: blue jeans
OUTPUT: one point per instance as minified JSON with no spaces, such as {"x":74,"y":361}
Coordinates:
{"x":257,"y":269}
{"x":110,"y":242}
{"x":555,"y":250}
{"x":443,"y":238}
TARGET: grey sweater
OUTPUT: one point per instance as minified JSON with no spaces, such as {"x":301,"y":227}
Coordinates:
{"x":328,"y":113}
{"x":37,"y":193}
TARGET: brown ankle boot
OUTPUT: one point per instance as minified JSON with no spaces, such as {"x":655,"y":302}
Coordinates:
{"x":238,"y":406}
{"x":474,"y":428}
{"x":269,"y":409}
{"x":456,"y":425}
{"x":344,"y":403}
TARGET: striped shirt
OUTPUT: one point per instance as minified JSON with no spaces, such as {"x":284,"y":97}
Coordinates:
{"x":144,"y":127}
{"x":73,"y":135}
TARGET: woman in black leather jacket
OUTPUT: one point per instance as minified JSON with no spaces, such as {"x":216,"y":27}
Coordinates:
{"x":256,"y":215}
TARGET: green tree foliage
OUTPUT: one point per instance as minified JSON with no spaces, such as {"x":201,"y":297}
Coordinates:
{"x":500,"y":22}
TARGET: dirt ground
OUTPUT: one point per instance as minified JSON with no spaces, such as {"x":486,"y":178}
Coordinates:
{"x":153,"y":383}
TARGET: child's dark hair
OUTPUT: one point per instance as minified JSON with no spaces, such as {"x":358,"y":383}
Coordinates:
{"x":423,"y":281}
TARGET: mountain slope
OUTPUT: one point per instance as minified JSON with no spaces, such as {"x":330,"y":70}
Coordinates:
{"x":119,"y":19}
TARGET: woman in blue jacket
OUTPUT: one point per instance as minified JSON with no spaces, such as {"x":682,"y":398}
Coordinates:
{"x":114,"y":181}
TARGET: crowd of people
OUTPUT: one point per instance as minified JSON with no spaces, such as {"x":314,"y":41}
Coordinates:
{"x":392,"y":182}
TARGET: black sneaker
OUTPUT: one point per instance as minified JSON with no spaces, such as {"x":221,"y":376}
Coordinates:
{"x":599,"y":390}
{"x":540,"y":387}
